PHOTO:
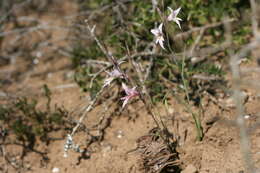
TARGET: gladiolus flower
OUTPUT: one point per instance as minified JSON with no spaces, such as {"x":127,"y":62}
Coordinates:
{"x":173,"y":16}
{"x":130,"y":93}
{"x":158,"y":35}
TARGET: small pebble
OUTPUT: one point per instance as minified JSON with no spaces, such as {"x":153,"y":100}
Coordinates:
{"x":49,"y":75}
{"x":171,"y":110}
{"x":35,"y":61}
{"x":55,"y":170}
{"x":194,"y":60}
{"x":119,"y":134}
{"x":246,"y":116}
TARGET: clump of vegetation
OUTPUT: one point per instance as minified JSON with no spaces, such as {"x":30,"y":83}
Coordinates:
{"x":22,"y":119}
{"x":185,"y":61}
{"x":130,"y":23}
{"x":190,"y":57}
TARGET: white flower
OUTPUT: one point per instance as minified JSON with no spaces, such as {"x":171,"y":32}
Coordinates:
{"x":158,"y":35}
{"x":173,"y":16}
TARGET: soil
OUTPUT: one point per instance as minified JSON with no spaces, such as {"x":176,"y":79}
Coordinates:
{"x":218,"y":152}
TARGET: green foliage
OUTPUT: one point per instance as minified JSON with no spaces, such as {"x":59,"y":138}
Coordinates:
{"x":93,"y":4}
{"x":81,"y":54}
{"x":130,"y":24}
{"x":83,"y":77}
{"x":242,"y":35}
{"x":22,"y":118}
{"x":157,"y":90}
{"x":83,"y":74}
{"x":206,"y":69}
{"x":200,"y":12}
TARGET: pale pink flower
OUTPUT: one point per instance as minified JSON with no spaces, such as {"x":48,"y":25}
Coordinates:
{"x":130,"y":93}
{"x":112,"y":75}
{"x":173,"y":16}
{"x":158,"y":33}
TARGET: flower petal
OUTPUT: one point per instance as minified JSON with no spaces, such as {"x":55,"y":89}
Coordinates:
{"x":170,"y":9}
{"x":170,"y":17}
{"x":126,"y":89}
{"x":177,"y":18}
{"x":133,"y":92}
{"x":115,"y":73}
{"x":157,"y":41}
{"x":155,"y":32}
{"x":161,"y":43}
{"x":125,"y":101}
{"x":178,"y":23}
{"x":124,"y":86}
{"x":176,"y":12}
{"x":160,"y":27}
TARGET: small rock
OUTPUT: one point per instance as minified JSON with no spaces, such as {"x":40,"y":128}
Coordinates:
{"x":119,"y":134}
{"x":171,"y":110}
{"x":190,"y":169}
{"x":194,"y":60}
{"x":247,"y":116}
{"x":49,"y":75}
{"x":55,"y":170}
{"x":36,"y":61}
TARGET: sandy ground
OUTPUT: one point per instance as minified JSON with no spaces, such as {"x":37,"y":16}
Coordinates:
{"x":218,"y":152}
